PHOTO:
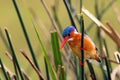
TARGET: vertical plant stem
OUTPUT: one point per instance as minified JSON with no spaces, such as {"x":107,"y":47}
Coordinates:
{"x":52,"y":72}
{"x":56,"y":52}
{"x":4,"y":40}
{"x":108,"y":65}
{"x":3,"y":69}
{"x":16,"y":71}
{"x":47,"y":70}
{"x":107,"y":54}
{"x":99,"y":37}
{"x":93,"y":76}
{"x":26,"y":34}
{"x":56,"y":49}
{"x":77,"y":69}
{"x":70,"y":14}
{"x":15,"y":67}
{"x":80,"y":6}
{"x":13,"y":54}
{"x":82,"y":46}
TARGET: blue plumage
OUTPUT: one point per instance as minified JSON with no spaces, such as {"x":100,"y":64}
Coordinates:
{"x":68,"y":30}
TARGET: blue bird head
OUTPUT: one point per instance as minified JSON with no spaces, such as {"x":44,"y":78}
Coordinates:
{"x":68,"y":30}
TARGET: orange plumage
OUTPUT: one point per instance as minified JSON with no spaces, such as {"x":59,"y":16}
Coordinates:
{"x":74,"y":39}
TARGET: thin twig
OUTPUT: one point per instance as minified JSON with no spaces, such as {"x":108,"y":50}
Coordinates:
{"x":25,"y":75}
{"x":110,"y":60}
{"x":113,"y":61}
{"x":34,"y":67}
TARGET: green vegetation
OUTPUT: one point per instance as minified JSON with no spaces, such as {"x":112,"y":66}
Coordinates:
{"x":34,"y":28}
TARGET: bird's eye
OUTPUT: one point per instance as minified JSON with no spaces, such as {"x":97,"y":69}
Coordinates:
{"x":68,"y":34}
{"x":96,"y":49}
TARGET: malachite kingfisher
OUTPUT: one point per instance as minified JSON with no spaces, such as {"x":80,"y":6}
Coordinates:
{"x":73,"y":38}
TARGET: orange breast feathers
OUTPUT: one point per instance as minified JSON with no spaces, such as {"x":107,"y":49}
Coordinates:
{"x":76,"y":42}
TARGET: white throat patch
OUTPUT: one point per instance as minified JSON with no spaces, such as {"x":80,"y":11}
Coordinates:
{"x":71,"y":39}
{"x":75,"y":32}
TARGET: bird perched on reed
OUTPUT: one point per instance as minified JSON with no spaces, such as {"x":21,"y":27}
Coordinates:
{"x":73,"y":38}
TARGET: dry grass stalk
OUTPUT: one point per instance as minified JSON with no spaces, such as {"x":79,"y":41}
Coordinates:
{"x":116,"y":73}
{"x":10,"y":57}
{"x":54,"y":23}
{"x":58,"y":71}
{"x":117,"y":54}
{"x":25,"y":75}
{"x":112,"y":33}
{"x":113,"y":61}
{"x":105,"y":55}
{"x":34,"y":67}
{"x":12,"y":75}
{"x":51,"y":18}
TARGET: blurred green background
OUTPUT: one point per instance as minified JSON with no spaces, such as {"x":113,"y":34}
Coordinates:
{"x":9,"y":19}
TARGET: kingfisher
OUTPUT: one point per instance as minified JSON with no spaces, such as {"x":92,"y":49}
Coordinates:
{"x":73,"y":38}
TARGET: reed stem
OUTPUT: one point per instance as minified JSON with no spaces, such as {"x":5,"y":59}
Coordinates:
{"x":26,"y":34}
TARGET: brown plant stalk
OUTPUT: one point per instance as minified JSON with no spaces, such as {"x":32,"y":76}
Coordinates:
{"x":111,"y":32}
{"x":25,"y":75}
{"x":12,"y":75}
{"x":31,"y":63}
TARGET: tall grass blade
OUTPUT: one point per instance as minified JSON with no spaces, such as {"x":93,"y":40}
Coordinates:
{"x":47,"y":71}
{"x":52,"y":72}
{"x":3,"y":39}
{"x":56,"y":53}
{"x":108,"y":65}
{"x":13,"y":54}
{"x":8,"y":76}
{"x":70,"y":14}
{"x":26,"y":34}
{"x":93,"y":76}
{"x":3,"y":69}
{"x":74,"y":11}
{"x":82,"y":46}
{"x":56,"y":49}
{"x":99,"y":38}
{"x":81,"y":5}
{"x":15,"y":67}
{"x":77,"y":68}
